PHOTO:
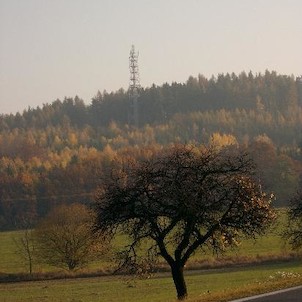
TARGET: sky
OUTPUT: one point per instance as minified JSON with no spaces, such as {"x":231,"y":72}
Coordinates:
{"x":51,"y":49}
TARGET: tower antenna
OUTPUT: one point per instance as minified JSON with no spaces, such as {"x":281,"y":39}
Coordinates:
{"x":134,"y":87}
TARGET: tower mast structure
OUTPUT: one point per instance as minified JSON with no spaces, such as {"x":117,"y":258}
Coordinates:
{"x":299,"y":85}
{"x":134,"y":87}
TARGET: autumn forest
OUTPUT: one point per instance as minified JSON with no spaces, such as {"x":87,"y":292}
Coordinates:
{"x":59,"y":153}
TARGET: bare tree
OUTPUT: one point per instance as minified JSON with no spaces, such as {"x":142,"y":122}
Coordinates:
{"x":65,"y":238}
{"x":25,"y":248}
{"x":183,"y":198}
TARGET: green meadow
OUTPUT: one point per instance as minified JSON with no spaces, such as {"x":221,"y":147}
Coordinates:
{"x":265,"y":269}
{"x":270,"y":246}
{"x":213,"y":285}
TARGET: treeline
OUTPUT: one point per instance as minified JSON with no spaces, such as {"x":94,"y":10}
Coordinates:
{"x":277,"y":94}
{"x":59,"y":153}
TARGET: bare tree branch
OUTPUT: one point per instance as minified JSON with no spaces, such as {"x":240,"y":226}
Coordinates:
{"x":185,"y":198}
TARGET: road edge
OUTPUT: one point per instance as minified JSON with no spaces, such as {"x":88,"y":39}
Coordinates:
{"x":267,"y":294}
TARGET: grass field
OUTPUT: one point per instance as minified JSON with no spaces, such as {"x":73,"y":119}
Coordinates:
{"x":264,"y":247}
{"x":207,"y":285}
{"x":213,"y":285}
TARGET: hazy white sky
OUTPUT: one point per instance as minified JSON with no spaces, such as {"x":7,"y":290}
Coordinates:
{"x":50,"y":49}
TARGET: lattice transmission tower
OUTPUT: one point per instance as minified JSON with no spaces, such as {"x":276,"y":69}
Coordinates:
{"x":134,"y":87}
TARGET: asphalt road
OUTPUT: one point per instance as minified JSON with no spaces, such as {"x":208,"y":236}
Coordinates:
{"x":287,"y":295}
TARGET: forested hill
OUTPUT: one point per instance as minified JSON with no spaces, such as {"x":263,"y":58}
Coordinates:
{"x":58,"y":153}
{"x":280,"y":95}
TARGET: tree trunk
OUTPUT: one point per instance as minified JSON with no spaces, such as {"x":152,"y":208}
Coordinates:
{"x":179,"y":281}
{"x":30,"y":265}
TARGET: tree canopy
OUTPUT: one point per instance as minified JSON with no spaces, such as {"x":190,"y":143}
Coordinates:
{"x":293,"y":232}
{"x":57,"y":153}
{"x":65,"y":238}
{"x":183,"y":198}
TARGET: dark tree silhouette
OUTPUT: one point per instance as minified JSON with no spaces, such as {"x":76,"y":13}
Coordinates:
{"x":182,"y":199}
{"x":293,"y":232}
